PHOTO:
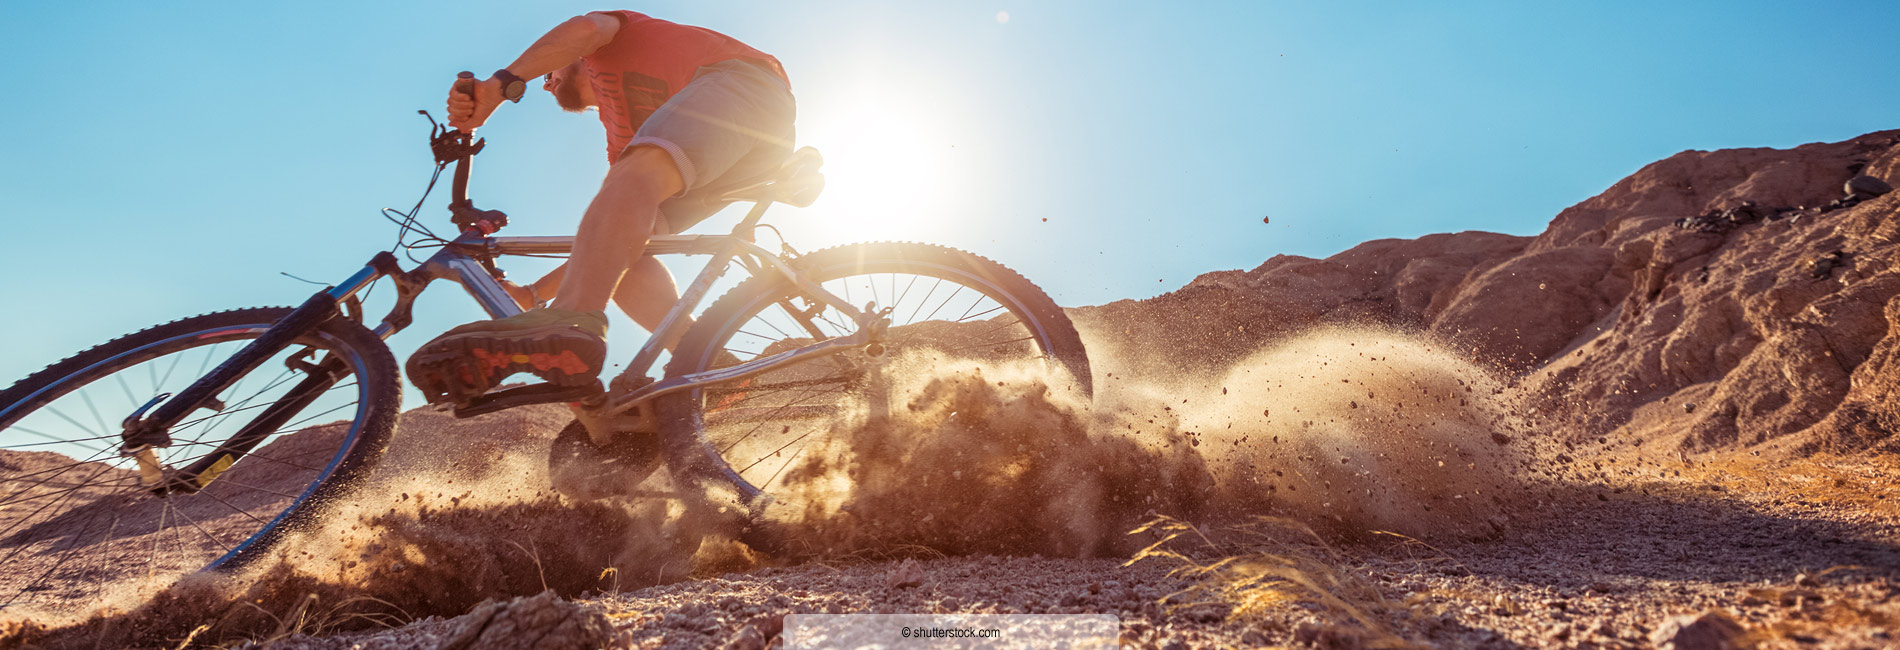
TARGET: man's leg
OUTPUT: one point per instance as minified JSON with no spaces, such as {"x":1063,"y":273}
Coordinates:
{"x":613,"y":233}
{"x":565,"y":344}
{"x":647,"y":293}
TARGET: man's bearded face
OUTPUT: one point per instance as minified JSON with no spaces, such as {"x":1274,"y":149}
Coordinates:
{"x":565,"y":85}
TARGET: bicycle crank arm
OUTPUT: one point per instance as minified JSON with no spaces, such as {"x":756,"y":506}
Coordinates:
{"x":623,"y":403}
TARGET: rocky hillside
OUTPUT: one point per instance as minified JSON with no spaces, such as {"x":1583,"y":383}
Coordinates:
{"x":1743,"y":298}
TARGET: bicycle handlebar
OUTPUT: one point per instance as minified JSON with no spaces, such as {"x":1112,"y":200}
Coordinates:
{"x":461,"y":146}
{"x":464,"y":84}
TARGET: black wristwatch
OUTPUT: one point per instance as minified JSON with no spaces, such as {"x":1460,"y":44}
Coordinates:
{"x":512,"y":87}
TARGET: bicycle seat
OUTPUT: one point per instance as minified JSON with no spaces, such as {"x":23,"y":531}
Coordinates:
{"x":797,"y":182}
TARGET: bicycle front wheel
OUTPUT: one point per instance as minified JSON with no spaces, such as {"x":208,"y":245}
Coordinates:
{"x":942,"y":301}
{"x":76,"y":520}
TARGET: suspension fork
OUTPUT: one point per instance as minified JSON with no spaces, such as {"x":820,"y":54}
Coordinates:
{"x":150,"y":426}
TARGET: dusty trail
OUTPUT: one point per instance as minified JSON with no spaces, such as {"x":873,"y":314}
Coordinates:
{"x":1467,"y":440}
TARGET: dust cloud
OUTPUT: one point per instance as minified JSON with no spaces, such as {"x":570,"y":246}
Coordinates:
{"x":1347,"y":430}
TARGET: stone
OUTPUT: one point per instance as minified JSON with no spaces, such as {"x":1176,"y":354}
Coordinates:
{"x":1711,"y":630}
{"x":905,"y":575}
{"x":748,"y":638}
{"x":530,"y":623}
{"x":1866,"y":187}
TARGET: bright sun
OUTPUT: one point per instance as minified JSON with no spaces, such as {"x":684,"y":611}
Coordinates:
{"x":887,"y":173}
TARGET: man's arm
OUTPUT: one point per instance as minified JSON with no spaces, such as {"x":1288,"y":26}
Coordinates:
{"x":571,"y":40}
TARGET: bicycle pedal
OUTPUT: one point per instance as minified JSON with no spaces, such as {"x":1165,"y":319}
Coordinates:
{"x":525,"y":395}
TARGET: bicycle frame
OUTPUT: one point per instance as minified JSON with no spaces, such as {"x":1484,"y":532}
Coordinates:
{"x":468,"y":261}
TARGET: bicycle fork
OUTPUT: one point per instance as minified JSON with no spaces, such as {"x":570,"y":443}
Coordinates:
{"x":149,"y":427}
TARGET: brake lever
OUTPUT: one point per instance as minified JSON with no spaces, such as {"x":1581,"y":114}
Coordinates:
{"x":450,"y":145}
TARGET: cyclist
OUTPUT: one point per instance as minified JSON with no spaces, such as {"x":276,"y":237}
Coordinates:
{"x":690,"y":114}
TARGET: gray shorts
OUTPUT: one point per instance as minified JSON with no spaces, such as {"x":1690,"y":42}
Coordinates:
{"x":730,"y":127}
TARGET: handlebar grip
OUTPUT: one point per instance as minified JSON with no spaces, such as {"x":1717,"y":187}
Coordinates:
{"x":465,"y":83}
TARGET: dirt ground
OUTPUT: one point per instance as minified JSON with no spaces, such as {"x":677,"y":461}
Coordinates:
{"x":1596,"y":548}
{"x":1800,"y":560}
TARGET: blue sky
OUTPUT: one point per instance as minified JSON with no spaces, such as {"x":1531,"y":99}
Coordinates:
{"x":168,"y":159}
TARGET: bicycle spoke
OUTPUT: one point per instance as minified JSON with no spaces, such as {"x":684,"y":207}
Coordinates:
{"x":781,"y":468}
{"x":985,"y":312}
{"x":803,"y":396}
{"x":991,"y":345}
{"x":907,"y":286}
{"x":227,"y":504}
{"x":55,"y":439}
{"x":762,"y":335}
{"x":240,"y":406}
{"x":29,"y":517}
{"x":96,"y":418}
{"x":105,"y":541}
{"x":794,"y":441}
{"x":256,"y":406}
{"x":89,"y":459}
{"x":268,"y":458}
{"x":946,"y":301}
{"x":72,"y":487}
{"x":206,"y":363}
{"x":299,"y":424}
{"x":62,"y":415}
{"x":749,"y":397}
{"x":227,"y":481}
{"x":924,"y":301}
{"x":168,"y":371}
{"x":70,"y":550}
{"x":222,"y":416}
{"x":207,"y":534}
{"x":165,"y":508}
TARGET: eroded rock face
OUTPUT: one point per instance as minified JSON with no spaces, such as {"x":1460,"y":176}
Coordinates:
{"x":1783,"y":326}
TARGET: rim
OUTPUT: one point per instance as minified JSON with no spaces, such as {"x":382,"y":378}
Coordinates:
{"x":74,"y":520}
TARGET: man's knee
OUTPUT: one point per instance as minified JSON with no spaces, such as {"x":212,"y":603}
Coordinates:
{"x":647,"y":170}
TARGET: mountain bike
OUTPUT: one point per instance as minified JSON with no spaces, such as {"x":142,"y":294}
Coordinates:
{"x":200,"y":444}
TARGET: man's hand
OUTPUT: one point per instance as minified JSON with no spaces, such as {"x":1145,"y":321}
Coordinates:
{"x":467,"y":114}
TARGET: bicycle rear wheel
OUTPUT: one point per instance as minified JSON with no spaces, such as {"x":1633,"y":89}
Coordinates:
{"x":943,"y":301}
{"x":75,"y":519}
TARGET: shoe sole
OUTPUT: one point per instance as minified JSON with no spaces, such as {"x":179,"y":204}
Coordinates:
{"x":462,"y":367}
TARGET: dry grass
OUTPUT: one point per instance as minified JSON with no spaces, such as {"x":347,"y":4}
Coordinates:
{"x":308,"y":618}
{"x":1268,"y":569}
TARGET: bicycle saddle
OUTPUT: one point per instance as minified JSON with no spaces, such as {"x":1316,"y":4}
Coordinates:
{"x":797,"y":183}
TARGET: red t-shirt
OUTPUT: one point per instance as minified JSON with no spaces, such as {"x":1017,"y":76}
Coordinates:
{"x":647,"y":62}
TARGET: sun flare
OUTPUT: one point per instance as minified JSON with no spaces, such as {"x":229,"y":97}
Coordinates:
{"x":887,"y":172}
